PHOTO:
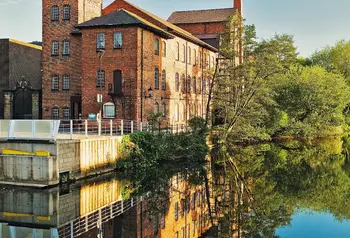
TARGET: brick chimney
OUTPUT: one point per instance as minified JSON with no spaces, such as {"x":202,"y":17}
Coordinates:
{"x":237,"y":4}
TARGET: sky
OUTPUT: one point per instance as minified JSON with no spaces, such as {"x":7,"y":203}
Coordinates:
{"x":313,"y":23}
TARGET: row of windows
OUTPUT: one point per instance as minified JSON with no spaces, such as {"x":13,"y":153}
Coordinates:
{"x":191,"y":85}
{"x":117,"y":41}
{"x":65,"y":48}
{"x":55,"y":82}
{"x":65,"y":113}
{"x":208,"y":61}
{"x":193,"y":110}
{"x":55,"y":13}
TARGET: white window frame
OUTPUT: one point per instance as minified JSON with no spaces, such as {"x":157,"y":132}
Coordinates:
{"x":55,"y":84}
{"x":117,"y":40}
{"x":55,"y":48}
{"x":65,"y":82}
{"x":65,"y":47}
{"x":66,"y":12}
{"x":109,"y":110}
{"x":100,"y":41}
{"x":55,"y":13}
{"x":66,"y":113}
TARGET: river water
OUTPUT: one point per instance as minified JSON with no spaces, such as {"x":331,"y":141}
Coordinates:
{"x":281,"y":189}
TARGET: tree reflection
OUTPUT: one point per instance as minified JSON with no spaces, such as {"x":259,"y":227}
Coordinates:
{"x":267,"y":183}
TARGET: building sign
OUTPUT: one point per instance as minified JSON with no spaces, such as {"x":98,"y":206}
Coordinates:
{"x":92,"y":116}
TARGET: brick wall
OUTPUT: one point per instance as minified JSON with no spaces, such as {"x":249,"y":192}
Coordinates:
{"x":63,"y":65}
{"x":203,"y":28}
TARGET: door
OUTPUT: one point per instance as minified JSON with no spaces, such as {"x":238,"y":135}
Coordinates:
{"x":22,"y":107}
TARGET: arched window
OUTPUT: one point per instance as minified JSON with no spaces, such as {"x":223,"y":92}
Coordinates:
{"x":66,"y":12}
{"x":65,"y":47}
{"x":164,"y":49}
{"x":177,"y":82}
{"x":188,"y":84}
{"x":65,"y":113}
{"x":204,"y":86}
{"x":189,"y":55}
{"x":194,"y":82}
{"x":183,"y":53}
{"x":54,"y":13}
{"x":199,"y":85}
{"x":156,"y":46}
{"x":54,"y":113}
{"x":156,"y":78}
{"x":100,"y":79}
{"x":156,"y":108}
{"x":163,"y":80}
{"x":55,"y":83}
{"x":164,"y":109}
{"x":109,"y":110}
{"x":183,"y":83}
{"x":178,"y":51}
{"x":177,"y":111}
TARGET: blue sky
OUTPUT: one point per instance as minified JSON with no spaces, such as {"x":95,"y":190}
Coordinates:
{"x":314,"y":23}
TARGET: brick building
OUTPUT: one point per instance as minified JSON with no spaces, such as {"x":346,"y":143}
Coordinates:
{"x":20,"y":80}
{"x":137,"y":61}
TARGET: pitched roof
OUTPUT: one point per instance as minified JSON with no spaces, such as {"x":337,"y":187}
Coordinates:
{"x":201,"y":16}
{"x":172,"y":28}
{"x":123,"y":17}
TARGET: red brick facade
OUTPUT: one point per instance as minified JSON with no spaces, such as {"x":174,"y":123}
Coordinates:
{"x":136,"y":60}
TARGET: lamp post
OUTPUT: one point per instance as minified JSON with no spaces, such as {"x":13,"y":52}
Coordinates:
{"x":99,"y":96}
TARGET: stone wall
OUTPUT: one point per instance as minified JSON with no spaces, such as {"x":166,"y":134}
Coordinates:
{"x":68,"y":155}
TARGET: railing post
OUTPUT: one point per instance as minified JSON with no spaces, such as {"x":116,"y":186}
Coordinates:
{"x":86,"y":128}
{"x":71,"y":129}
{"x":132,"y":126}
{"x":99,"y":122}
{"x":111,"y":127}
{"x":141,"y":126}
{"x":121,"y":127}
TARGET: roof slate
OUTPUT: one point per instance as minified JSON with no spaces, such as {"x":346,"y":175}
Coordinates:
{"x":201,"y":16}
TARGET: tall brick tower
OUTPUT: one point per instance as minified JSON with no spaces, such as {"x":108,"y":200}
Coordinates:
{"x":61,"y":56}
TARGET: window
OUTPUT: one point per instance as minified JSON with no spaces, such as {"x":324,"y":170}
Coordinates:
{"x":164,"y":49}
{"x":156,"y":46}
{"x":178,"y":51}
{"x":183,"y":204}
{"x":163,"y":80}
{"x":182,"y":112}
{"x":198,"y":198}
{"x":177,"y":82}
{"x":189,"y":55}
{"x":54,"y":50}
{"x":65,"y":82}
{"x":117,"y":87}
{"x":199,"y":90}
{"x":204,"y":86}
{"x":183,"y":83}
{"x":54,"y":13}
{"x":118,"y":40}
{"x":176,"y":211}
{"x":55,"y":83}
{"x":183,"y":53}
{"x":65,"y":113}
{"x":100,"y":79}
{"x":54,"y":113}
{"x":194,"y":57}
{"x":65,"y":48}
{"x":100,"y":41}
{"x":156,"y":108}
{"x":156,"y":224}
{"x":156,"y":78}
{"x":66,"y":12}
{"x":193,"y":205}
{"x":194,"y":82}
{"x":188,"y":84}
{"x":164,"y":109}
{"x":177,"y":111}
{"x":188,"y":204}
{"x":109,"y":110}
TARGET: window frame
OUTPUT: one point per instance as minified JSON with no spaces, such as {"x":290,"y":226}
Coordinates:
{"x":163,"y":80}
{"x":55,"y":13}
{"x":183,"y":53}
{"x":65,"y":82}
{"x":188,"y":84}
{"x":156,"y":46}
{"x":189,"y":55}
{"x":65,"y":47}
{"x":178,"y":51}
{"x":100,"y":45}
{"x":194,"y":84}
{"x":156,"y":79}
{"x":156,"y":108}
{"x":164,"y":51}
{"x":106,"y":114}
{"x":66,"y":110}
{"x":116,"y":37}
{"x":100,"y":82}
{"x":55,"y":48}
{"x":55,"y":83}
{"x":55,"y":110}
{"x":66,"y":15}
{"x":177,"y":82}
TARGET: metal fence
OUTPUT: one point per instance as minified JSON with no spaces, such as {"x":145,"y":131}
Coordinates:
{"x":113,"y":127}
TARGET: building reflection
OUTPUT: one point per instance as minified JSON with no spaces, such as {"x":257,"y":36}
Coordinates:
{"x":96,"y":209}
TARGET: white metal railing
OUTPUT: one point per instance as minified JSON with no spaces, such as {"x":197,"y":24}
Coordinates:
{"x":112,"y":127}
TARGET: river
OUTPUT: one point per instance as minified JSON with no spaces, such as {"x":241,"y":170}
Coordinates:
{"x":282,"y":189}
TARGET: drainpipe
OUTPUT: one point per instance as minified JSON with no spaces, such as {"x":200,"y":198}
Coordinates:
{"x":186,"y":78}
{"x":142,"y":86}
